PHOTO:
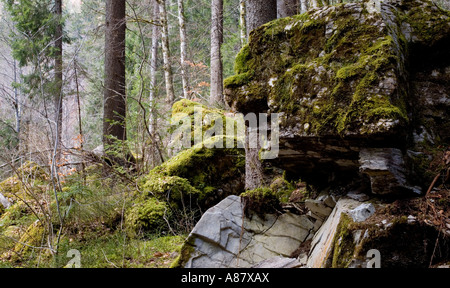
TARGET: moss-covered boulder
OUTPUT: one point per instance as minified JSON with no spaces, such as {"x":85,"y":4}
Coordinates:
{"x":209,"y":174}
{"x":147,"y":215}
{"x":260,"y":201}
{"x":28,"y":181}
{"x":193,"y":122}
{"x":188,"y":184}
{"x":331,"y":71}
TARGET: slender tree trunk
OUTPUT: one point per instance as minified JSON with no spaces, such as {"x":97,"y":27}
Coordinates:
{"x":80,"y":124}
{"x":58,"y":98}
{"x":153,"y":90}
{"x":260,"y":12}
{"x":170,"y":97}
{"x":254,"y":174}
{"x":17,"y":104}
{"x":286,"y":8}
{"x":183,"y":50}
{"x":303,"y":6}
{"x":216,"y":96}
{"x":114,"y":91}
{"x":243,"y":22}
{"x":314,"y":4}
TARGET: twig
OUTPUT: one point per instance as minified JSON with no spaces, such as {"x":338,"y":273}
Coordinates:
{"x":106,"y":258}
{"x":433,"y":183}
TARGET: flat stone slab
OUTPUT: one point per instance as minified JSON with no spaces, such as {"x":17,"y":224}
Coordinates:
{"x":224,"y":237}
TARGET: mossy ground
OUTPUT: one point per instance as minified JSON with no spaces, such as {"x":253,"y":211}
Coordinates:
{"x":94,"y":223}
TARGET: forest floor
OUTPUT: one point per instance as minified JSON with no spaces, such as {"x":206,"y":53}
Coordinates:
{"x":92,"y":210}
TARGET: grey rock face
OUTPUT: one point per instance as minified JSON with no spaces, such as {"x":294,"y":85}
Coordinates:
{"x":386,"y":169}
{"x":362,"y":212}
{"x":4,"y":201}
{"x":224,"y":237}
{"x":322,"y":243}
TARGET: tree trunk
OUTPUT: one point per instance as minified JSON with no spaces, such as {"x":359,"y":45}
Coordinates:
{"x":260,"y":12}
{"x":303,"y":6}
{"x":170,"y":94}
{"x":286,"y":8}
{"x":153,"y":89}
{"x":114,"y":91}
{"x":243,"y":22}
{"x":58,"y":96}
{"x":17,"y":104}
{"x":216,"y":96}
{"x":254,"y":174}
{"x":314,"y":4}
{"x":183,"y":50}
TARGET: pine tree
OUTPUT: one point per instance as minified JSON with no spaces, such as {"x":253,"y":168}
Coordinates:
{"x":114,"y":101}
{"x":153,"y":89}
{"x":58,"y":93}
{"x":216,"y":96}
{"x":37,"y":43}
{"x":183,"y":50}
{"x":170,"y":94}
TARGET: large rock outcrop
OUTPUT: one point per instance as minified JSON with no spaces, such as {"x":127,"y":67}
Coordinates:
{"x":349,"y":77}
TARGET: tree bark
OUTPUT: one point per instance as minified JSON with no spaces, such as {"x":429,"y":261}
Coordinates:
{"x":153,"y":90}
{"x":17,"y":103}
{"x":168,"y":75}
{"x":314,"y":4}
{"x":254,"y":174}
{"x":303,"y":6}
{"x":260,"y":12}
{"x":114,"y":91}
{"x":58,"y":97}
{"x":243,"y":22}
{"x":183,"y":50}
{"x":286,"y":8}
{"x":216,"y":96}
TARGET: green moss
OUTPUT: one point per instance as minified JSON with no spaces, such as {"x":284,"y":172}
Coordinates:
{"x":13,"y":215}
{"x":33,"y":237}
{"x":343,"y":243}
{"x":190,"y":107}
{"x":261,"y":201}
{"x":186,"y":251}
{"x":29,"y":180}
{"x":205,"y":166}
{"x":428,"y":21}
{"x":30,"y":168}
{"x":242,"y":64}
{"x":238,"y":80}
{"x":282,"y":188}
{"x":147,"y":216}
{"x":170,"y":188}
{"x":196,"y":179}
